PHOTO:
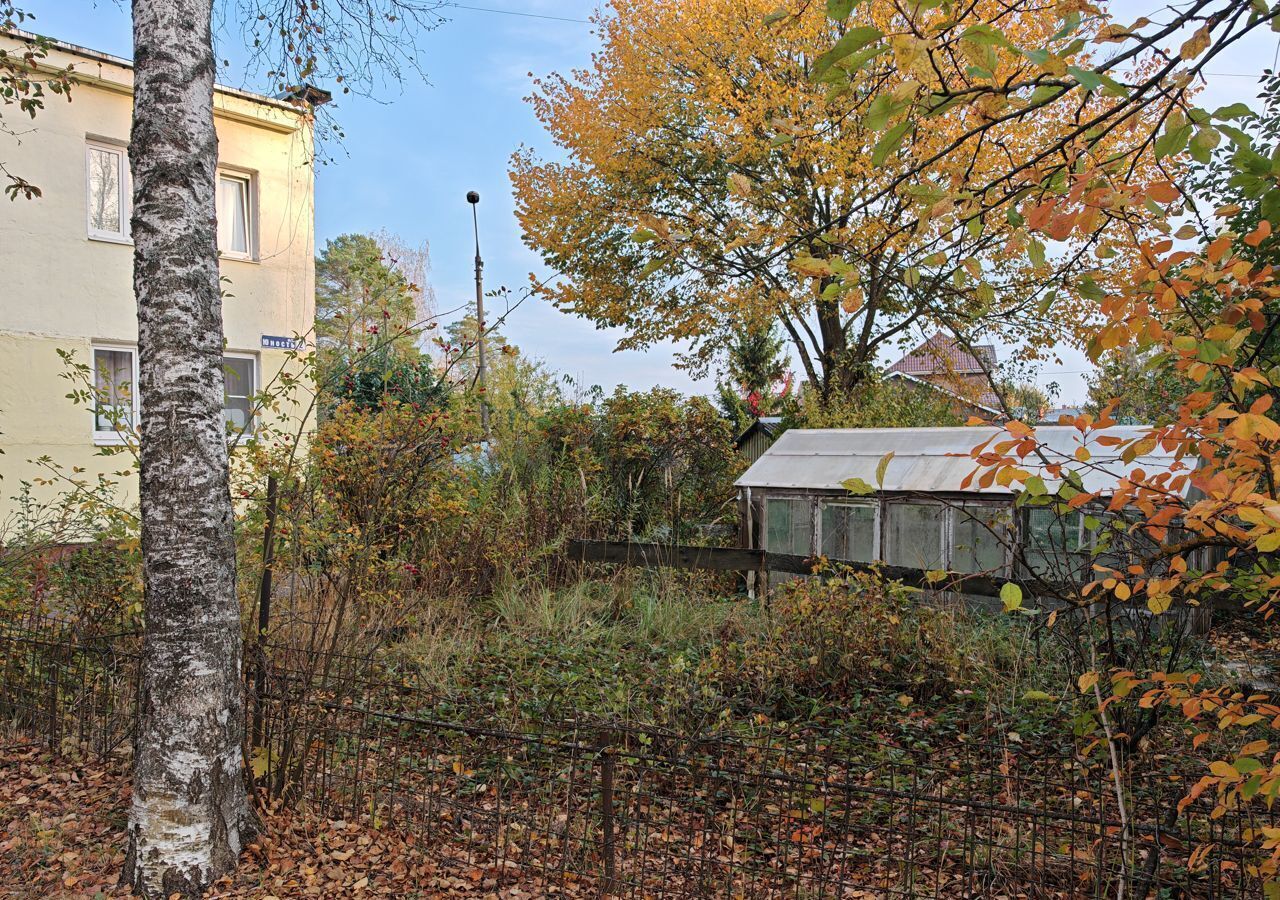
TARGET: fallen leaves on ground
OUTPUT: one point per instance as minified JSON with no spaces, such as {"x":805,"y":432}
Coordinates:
{"x":62,"y":835}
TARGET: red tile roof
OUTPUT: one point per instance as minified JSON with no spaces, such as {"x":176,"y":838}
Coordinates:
{"x":943,"y":355}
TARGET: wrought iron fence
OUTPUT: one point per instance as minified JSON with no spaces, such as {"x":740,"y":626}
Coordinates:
{"x":610,"y":809}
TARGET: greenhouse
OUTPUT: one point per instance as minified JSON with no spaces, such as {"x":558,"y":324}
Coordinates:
{"x":921,"y":514}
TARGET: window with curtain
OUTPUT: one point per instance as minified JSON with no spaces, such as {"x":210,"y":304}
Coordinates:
{"x":978,"y":538}
{"x":849,"y":531}
{"x":233,"y":208}
{"x":108,"y":206}
{"x":115,"y":402}
{"x":913,"y":535}
{"x":789,"y":528}
{"x":237,"y":404}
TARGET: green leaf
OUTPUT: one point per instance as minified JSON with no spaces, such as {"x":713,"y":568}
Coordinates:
{"x":857,"y":487}
{"x":1035,"y":486}
{"x":1090,"y":289}
{"x":776,"y":16}
{"x":1173,"y":140}
{"x":850,"y":42}
{"x":985,"y":35}
{"x":1234,"y":111}
{"x":653,"y":265}
{"x":1203,"y":142}
{"x":1089,"y":79}
{"x":859,"y":59}
{"x":643,"y":236}
{"x":1069,"y":26}
{"x":1011,"y":597}
{"x":1246,"y":765}
{"x":1039,"y":57}
{"x":1035,"y":249}
{"x":840,"y":9}
{"x":879,"y":112}
{"x":1045,"y":93}
{"x":891,"y":141}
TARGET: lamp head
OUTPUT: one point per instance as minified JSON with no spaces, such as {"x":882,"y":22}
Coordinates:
{"x":473,"y":197}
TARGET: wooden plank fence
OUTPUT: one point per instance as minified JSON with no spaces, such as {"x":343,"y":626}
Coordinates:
{"x":743,"y":559}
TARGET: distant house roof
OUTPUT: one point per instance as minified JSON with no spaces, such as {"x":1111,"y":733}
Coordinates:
{"x":1051,"y":416}
{"x":943,"y":355}
{"x":931,"y":460}
{"x":767,"y":425}
{"x":979,"y":405}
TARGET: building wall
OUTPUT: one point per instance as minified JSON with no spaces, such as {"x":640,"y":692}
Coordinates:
{"x":63,"y":291}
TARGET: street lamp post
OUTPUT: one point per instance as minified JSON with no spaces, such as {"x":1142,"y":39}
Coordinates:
{"x":473,"y":198}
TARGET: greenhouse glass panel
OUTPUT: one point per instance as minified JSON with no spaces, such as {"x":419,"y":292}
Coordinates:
{"x":978,"y":539}
{"x":849,"y":531}
{"x":1052,"y":544}
{"x":789,"y":528}
{"x":914,"y":537}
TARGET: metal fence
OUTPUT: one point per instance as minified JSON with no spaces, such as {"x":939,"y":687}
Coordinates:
{"x":595,"y":808}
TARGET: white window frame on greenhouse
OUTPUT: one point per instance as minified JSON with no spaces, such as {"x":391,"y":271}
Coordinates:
{"x":948,"y":512}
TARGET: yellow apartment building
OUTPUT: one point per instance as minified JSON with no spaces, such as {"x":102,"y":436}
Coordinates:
{"x":66,"y":264}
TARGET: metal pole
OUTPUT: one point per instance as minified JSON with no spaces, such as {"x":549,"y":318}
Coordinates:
{"x":474,"y":199}
{"x":608,"y":850}
{"x":264,"y":612}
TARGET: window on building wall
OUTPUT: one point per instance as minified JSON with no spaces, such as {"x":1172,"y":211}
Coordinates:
{"x":115,"y":408}
{"x":979,"y":535}
{"x":235,"y":215}
{"x":789,"y":528}
{"x":913,"y":535}
{"x":849,"y":531}
{"x":107,"y":170}
{"x":239,"y":373}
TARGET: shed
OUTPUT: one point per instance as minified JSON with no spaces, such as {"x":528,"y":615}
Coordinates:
{"x":922,"y":515}
{"x":757,"y":437}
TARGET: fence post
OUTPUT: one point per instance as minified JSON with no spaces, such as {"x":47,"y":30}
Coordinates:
{"x":606,"y":815}
{"x":264,"y":612}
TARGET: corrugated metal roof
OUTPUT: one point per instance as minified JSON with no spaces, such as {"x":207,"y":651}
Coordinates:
{"x":929,"y":460}
{"x":768,"y":425}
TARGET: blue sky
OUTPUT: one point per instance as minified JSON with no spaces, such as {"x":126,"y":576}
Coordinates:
{"x":410,"y":156}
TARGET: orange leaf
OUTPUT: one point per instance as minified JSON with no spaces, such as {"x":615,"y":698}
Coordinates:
{"x":1259,"y":234}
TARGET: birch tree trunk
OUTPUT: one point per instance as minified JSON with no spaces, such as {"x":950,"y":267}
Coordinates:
{"x":190,"y":814}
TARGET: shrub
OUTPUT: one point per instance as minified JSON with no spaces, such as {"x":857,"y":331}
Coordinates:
{"x":827,"y":641}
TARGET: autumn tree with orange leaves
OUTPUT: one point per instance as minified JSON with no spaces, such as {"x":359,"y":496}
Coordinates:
{"x":1175,"y":273}
{"x":726,"y":163}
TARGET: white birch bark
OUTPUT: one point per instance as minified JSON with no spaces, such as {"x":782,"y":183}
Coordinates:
{"x":190,"y":814}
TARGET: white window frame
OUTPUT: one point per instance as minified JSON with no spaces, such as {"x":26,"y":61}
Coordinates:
{"x":250,"y":181}
{"x":255,"y":366}
{"x":113,"y":437}
{"x":124,"y":235}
